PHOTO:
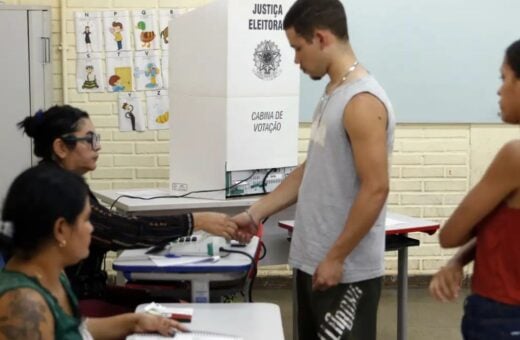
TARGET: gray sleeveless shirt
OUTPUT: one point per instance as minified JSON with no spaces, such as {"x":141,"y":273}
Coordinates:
{"x":330,"y":185}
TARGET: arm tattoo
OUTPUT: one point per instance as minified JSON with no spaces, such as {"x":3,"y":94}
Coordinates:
{"x":23,"y":319}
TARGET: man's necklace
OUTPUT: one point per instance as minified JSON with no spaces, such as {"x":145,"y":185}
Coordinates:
{"x":345,"y":76}
{"x":349,"y":71}
{"x":324,"y":100}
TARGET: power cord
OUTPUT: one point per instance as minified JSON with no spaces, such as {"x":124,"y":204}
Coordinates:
{"x":253,"y":268}
{"x":264,"y":181}
{"x":264,"y":251}
{"x":179,"y":196}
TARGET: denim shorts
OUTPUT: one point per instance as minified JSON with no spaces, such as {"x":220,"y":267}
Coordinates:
{"x":486,"y":319}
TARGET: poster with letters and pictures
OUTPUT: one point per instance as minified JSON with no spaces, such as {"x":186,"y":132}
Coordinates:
{"x":89,"y":32}
{"x":131,"y":116}
{"x":157,"y":109}
{"x":147,"y":70}
{"x":89,"y":72}
{"x":165,"y":69}
{"x":165,"y":16}
{"x":119,"y":75}
{"x":146,"y":32}
{"x":118,"y":30}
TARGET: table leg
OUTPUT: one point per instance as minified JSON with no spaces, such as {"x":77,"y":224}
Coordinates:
{"x":199,"y":291}
{"x":247,"y":290}
{"x":295,"y":307}
{"x":402,"y":292}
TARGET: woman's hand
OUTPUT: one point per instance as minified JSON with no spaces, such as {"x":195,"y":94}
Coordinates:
{"x":122,"y":325}
{"x":147,"y":323}
{"x":215,"y":223}
{"x":445,"y":284}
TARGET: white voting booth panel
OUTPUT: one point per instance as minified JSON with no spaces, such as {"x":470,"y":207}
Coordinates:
{"x":234,"y":93}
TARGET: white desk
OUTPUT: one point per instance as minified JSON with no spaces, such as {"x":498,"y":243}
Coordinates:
{"x":136,"y":266}
{"x":274,"y":238}
{"x":397,"y":228}
{"x":252,"y":321}
{"x":160,"y":205}
{"x":276,"y":243}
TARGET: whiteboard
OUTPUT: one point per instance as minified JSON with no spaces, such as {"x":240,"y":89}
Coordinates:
{"x":439,"y":60}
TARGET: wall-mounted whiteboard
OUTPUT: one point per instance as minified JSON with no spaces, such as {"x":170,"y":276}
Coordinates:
{"x":439,"y":60}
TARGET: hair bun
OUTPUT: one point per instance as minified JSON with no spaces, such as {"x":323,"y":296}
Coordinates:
{"x":32,"y":124}
{"x":39,"y":117}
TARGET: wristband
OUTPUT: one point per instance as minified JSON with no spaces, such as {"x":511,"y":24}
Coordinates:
{"x":251,"y":218}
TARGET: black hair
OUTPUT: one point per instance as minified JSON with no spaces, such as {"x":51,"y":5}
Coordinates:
{"x":34,"y":201}
{"x":513,"y":57}
{"x":45,"y":126}
{"x":307,"y":15}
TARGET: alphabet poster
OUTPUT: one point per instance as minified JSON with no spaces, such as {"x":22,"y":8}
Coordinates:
{"x":165,"y":15}
{"x":119,"y":71}
{"x":131,"y":116}
{"x":145,"y":29}
{"x":89,"y":72}
{"x":147,"y":72}
{"x":158,"y":112}
{"x":89,"y":32}
{"x":165,"y":72}
{"x":126,"y":51}
{"x":117,"y":30}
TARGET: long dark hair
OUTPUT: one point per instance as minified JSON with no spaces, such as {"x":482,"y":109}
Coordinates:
{"x":34,"y":201}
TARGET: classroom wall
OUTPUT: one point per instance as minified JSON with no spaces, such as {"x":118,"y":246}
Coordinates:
{"x":434,"y":165}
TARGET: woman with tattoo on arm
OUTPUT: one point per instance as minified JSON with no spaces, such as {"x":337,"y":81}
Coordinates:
{"x":46,"y":227}
{"x":64,"y":136}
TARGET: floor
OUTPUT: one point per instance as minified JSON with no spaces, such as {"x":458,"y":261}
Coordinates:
{"x":427,"y":318}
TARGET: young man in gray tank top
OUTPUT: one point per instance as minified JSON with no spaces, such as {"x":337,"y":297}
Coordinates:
{"x":337,"y":249}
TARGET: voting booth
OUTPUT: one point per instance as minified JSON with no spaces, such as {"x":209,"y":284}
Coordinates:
{"x":234,"y":93}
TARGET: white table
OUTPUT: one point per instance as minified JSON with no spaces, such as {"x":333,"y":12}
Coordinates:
{"x":275,"y":241}
{"x":274,"y":238}
{"x":136,"y":266}
{"x":397,"y":228}
{"x":252,"y":321}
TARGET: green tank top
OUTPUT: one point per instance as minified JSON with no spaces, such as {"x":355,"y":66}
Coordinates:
{"x":66,"y":327}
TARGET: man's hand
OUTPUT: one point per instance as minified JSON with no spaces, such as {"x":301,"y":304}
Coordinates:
{"x":328,"y":274}
{"x":446,"y":283}
{"x":215,"y":223}
{"x":247,"y":227}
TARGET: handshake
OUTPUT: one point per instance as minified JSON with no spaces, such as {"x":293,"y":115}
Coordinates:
{"x":241,"y":227}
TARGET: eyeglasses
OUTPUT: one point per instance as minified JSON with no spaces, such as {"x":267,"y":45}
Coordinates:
{"x":94,"y":139}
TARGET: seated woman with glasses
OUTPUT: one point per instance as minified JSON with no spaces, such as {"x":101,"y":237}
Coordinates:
{"x":65,"y":136}
{"x":45,"y":227}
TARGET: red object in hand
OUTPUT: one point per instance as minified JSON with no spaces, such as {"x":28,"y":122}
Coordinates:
{"x":181,"y":317}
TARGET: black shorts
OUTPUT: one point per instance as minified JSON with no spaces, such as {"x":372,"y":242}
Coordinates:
{"x":347,"y":311}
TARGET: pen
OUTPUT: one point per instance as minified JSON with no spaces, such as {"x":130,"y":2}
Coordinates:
{"x":181,"y":317}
